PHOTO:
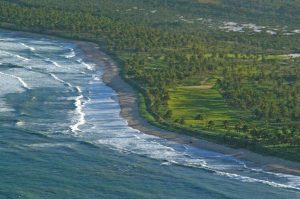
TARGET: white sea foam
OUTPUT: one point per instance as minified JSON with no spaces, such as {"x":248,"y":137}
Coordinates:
{"x":56,"y":64}
{"x":78,"y":89}
{"x":152,"y":147}
{"x":71,"y":54}
{"x":103,"y":101}
{"x":70,"y":85}
{"x":50,"y":145}
{"x":97,"y":78}
{"x":147,"y":146}
{"x":79,"y":111}
{"x":61,"y":80}
{"x":292,"y":180}
{"x":21,"y":57}
{"x":254,"y":180}
{"x":89,"y":66}
{"x":29,"y":47}
{"x":20,"y":123}
{"x":53,"y":62}
{"x":15,"y":55}
{"x":56,"y":78}
{"x":24,"y":84}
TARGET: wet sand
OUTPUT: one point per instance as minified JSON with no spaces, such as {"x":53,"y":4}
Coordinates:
{"x":129,"y":110}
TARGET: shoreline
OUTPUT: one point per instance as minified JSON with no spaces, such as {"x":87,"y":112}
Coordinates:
{"x":128,"y":100}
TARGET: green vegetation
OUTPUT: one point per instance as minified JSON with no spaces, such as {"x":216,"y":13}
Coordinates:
{"x":192,"y":76}
{"x":196,"y":107}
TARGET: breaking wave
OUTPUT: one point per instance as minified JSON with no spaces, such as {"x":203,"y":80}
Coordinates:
{"x":52,"y":62}
{"x":29,"y":47}
{"x":71,"y":54}
{"x":23,"y":83}
{"x":79,"y":111}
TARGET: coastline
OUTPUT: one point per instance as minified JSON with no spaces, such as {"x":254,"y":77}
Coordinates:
{"x":128,"y":100}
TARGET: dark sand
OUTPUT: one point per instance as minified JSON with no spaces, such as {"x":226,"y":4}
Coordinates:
{"x":129,"y":110}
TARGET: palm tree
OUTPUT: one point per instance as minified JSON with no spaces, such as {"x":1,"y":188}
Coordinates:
{"x":210,"y":124}
{"x":199,"y":117}
{"x":225,"y":124}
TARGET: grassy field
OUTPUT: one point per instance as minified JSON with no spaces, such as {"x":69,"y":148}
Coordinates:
{"x":196,"y":106}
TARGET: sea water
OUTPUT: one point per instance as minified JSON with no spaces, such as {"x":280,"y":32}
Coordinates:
{"x":62,"y":136}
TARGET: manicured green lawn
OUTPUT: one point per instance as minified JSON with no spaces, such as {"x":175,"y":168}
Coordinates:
{"x":189,"y":102}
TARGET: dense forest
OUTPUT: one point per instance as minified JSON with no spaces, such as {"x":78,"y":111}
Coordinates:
{"x":224,"y":70}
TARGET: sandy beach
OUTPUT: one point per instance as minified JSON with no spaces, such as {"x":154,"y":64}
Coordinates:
{"x":129,"y":110}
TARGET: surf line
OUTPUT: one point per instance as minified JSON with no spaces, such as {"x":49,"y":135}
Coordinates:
{"x":52,"y":62}
{"x":15,"y":55}
{"x":61,"y":81}
{"x":24,"y":85}
{"x":29,"y":47}
{"x":78,"y":103}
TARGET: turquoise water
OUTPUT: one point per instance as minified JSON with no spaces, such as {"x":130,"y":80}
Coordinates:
{"x":61,"y":136}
